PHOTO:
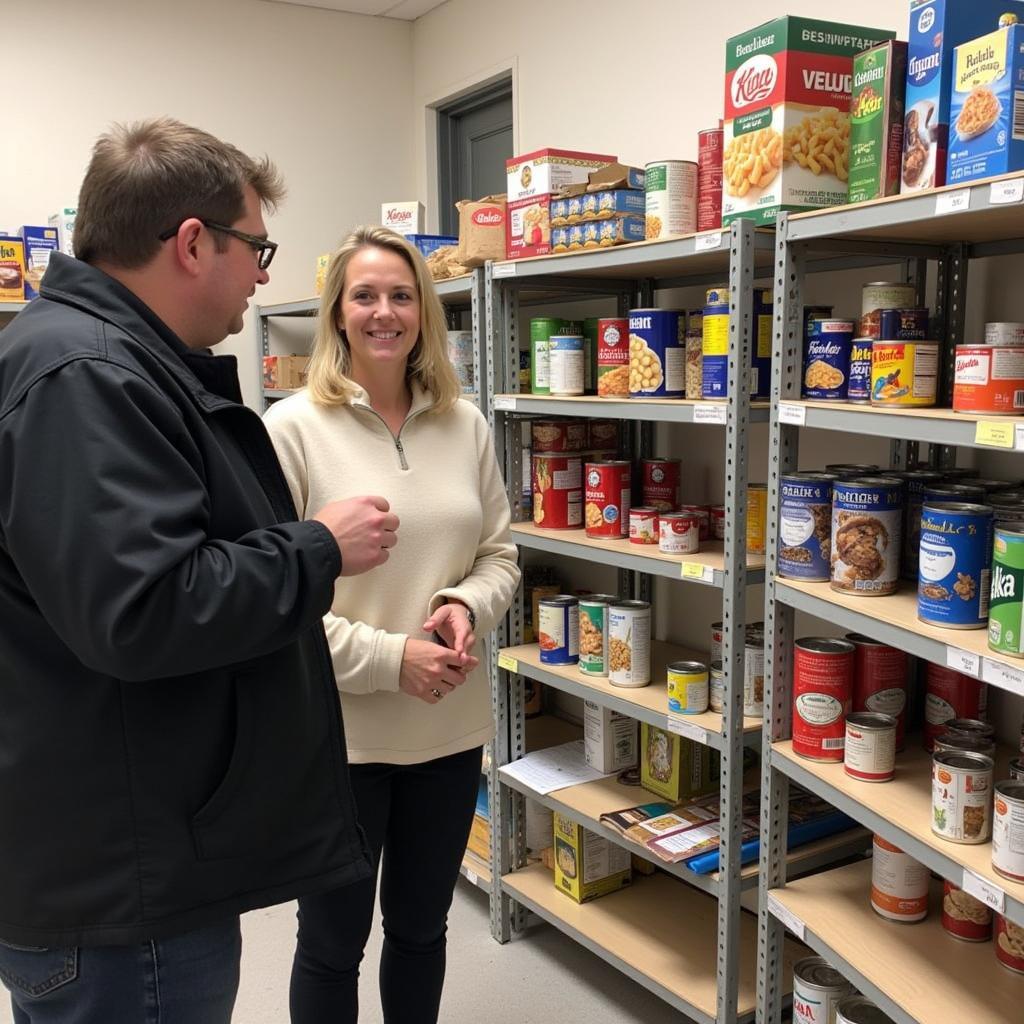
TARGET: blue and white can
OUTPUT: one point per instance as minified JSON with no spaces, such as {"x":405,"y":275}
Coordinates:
{"x":761,"y":348}
{"x":867,"y":527}
{"x":657,"y":353}
{"x":805,"y":526}
{"x":715,"y":349}
{"x":859,"y":389}
{"x":827,"y":359}
{"x":954,"y":567}
{"x":559,"y":630}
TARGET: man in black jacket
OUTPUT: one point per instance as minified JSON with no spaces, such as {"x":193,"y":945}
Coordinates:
{"x":171,"y":744}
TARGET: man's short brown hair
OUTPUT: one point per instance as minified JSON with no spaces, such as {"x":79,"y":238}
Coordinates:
{"x":146,"y":178}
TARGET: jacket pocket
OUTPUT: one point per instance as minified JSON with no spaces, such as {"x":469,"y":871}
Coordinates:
{"x":34,"y":971}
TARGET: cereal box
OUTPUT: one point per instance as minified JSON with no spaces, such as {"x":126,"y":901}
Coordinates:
{"x":588,"y":865}
{"x":674,"y":767}
{"x":787,"y":116}
{"x":986,"y":111}
{"x":936,"y":27}
{"x":38,"y":243}
{"x":876,"y":121}
{"x":405,"y":218}
{"x":12,"y":269}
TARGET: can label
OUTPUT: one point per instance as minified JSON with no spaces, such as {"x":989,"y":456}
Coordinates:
{"x":661,"y":483}
{"x":687,"y":690}
{"x":899,"y":884}
{"x":903,"y":324}
{"x":715,"y":347}
{"x":541,"y":330}
{"x":657,"y":353}
{"x":757,"y":518}
{"x":703,"y":515}
{"x":963,"y":916}
{"x":989,"y":379}
{"x":805,"y":528}
{"x":822,"y":695}
{"x":1004,"y":334}
{"x":870,"y":752}
{"x":954,"y":582}
{"x":671,"y":190}
{"x":880,"y":682}
{"x":643,"y":526}
{"x":593,"y":638}
{"x":1008,"y":831}
{"x":607,"y":499}
{"x":558,"y":491}
{"x":718,"y":522}
{"x":827,"y":359}
{"x":603,"y":436}
{"x":613,"y":358}
{"x":866,"y":525}
{"x":962,"y":802}
{"x":566,"y":357}
{"x":709,"y":179}
{"x":1005,"y":606}
{"x":558,"y":436}
{"x":716,"y":689}
{"x":558,"y":632}
{"x":629,"y":644}
{"x":678,"y":534}
{"x":716,"y":641}
{"x":916,"y":484}
{"x":1009,"y":944}
{"x":904,"y":373}
{"x":950,"y":695}
{"x":753,"y":678}
{"x":859,"y":389}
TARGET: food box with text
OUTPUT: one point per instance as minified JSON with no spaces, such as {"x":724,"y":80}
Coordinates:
{"x":598,"y":234}
{"x":285,"y":373}
{"x":12,"y":269}
{"x":587,"y":865}
{"x":787,"y":116}
{"x":406,"y":218}
{"x":674,"y":767}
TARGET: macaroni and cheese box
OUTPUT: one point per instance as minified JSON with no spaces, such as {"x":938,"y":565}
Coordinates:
{"x":674,"y":767}
{"x":986,"y":110}
{"x":598,"y":234}
{"x":285,"y":372}
{"x":936,"y":28}
{"x":39,"y":243}
{"x":588,"y":865}
{"x":787,"y":116}
{"x":12,"y":269}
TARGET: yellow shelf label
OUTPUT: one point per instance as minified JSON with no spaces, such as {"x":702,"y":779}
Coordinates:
{"x":696,"y":571}
{"x":508,"y":663}
{"x":994,"y":434}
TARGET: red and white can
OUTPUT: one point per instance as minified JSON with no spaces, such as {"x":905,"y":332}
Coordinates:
{"x":613,"y":357}
{"x":963,"y":916}
{"x":989,"y":379}
{"x":950,"y":694}
{"x":880,"y":680}
{"x":643,"y":525}
{"x":678,"y":533}
{"x":716,"y":641}
{"x":558,"y":491}
{"x":822,"y":695}
{"x":870,"y":750}
{"x":709,"y":179}
{"x":606,"y":508}
{"x":1009,"y":944}
{"x":703,"y":514}
{"x":558,"y":436}
{"x":1008,"y":830}
{"x":603,"y":437}
{"x":899,"y":884}
{"x":718,"y":522}
{"x":661,"y":483}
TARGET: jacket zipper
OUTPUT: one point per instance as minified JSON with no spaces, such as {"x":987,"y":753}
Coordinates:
{"x":398,"y":439}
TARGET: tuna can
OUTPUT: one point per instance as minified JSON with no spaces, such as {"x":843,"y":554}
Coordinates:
{"x":716,"y":641}
{"x":643,"y":525}
{"x":660,"y":480}
{"x":671,"y":198}
{"x":903,"y":324}
{"x":1008,"y":830}
{"x":822,"y":695}
{"x":899,"y":884}
{"x":603,"y":437}
{"x":852,"y":470}
{"x":757,"y":518}
{"x":805,"y":526}
{"x":565,"y":353}
{"x":715,"y":351}
{"x":613,"y":358}
{"x":963,"y":916}
{"x":606,"y":512}
{"x":867,"y":519}
{"x":1005,"y":619}
{"x":870,"y":751}
{"x":594,"y":633}
{"x":1004,"y":334}
{"x":904,"y":373}
{"x":954,"y":577}
{"x":704,"y":515}
{"x":753,"y":674}
{"x":880,"y":680}
{"x":695,"y":355}
{"x":716,"y":686}
{"x":687,"y":687}
{"x":989,"y":379}
{"x":558,"y":491}
{"x":962,"y":797}
{"x":761,"y":345}
{"x":1017,"y":769}
{"x":657,"y":353}
{"x":860,"y":1010}
{"x":1009,"y":944}
{"x":549,"y":436}
{"x":541,"y":330}
{"x":827,"y":359}
{"x":709,"y":179}
{"x":718,"y":522}
{"x":859,"y":388}
{"x":916,"y":482}
{"x":678,"y":533}
{"x":881,"y":295}
{"x":558,"y":629}
{"x":950,"y":695}
{"x":817,"y":990}
{"x":629,"y":643}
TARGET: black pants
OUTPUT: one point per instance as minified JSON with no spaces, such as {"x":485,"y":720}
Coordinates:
{"x":419,"y":817}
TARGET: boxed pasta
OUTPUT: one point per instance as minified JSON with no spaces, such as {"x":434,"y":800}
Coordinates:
{"x":406,"y":218}
{"x":588,"y":865}
{"x":609,"y":739}
{"x":787,"y":116}
{"x":598,"y":234}
{"x":674,"y":767}
{"x":12,"y":269}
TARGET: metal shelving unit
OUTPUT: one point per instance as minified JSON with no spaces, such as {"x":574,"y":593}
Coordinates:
{"x":899,"y":968}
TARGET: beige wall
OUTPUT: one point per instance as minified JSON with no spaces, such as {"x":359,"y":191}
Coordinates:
{"x":327,"y":95}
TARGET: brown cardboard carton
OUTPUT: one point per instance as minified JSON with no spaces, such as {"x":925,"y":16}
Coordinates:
{"x":285,"y":373}
{"x":481,"y":230}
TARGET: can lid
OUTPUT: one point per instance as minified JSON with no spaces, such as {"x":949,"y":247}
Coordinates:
{"x":966,"y":759}
{"x":970,"y":725}
{"x":608,"y":462}
{"x":963,"y":508}
{"x":860,"y":1010}
{"x":886,"y":482}
{"x":825,"y":645}
{"x":687,"y":666}
{"x":871,"y":720}
{"x":559,"y":599}
{"x":1011,"y":789}
{"x":633,"y":605}
{"x":601,"y":599}
{"x":816,"y":970}
{"x":860,"y":640}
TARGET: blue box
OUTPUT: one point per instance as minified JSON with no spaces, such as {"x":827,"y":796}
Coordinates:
{"x":430,"y":243}
{"x":598,"y":234}
{"x":613,"y":203}
{"x":39,"y":242}
{"x":986,"y":110}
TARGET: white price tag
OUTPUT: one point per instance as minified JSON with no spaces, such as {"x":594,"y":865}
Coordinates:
{"x":795,"y":414}
{"x":963,"y":661}
{"x":709,"y":240}
{"x":952,"y":202}
{"x":506,"y":402}
{"x":710,"y":414}
{"x":503,"y":270}
{"x":981,"y":889}
{"x":1001,"y":193}
{"x":681,"y":727}
{"x":1018,"y":438}
{"x":786,"y":916}
{"x":472,"y":877}
{"x":1003,"y":676}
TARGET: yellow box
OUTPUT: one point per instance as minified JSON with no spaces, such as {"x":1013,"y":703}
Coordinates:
{"x":588,"y":865}
{"x":674,"y":767}
{"x":12,"y":269}
{"x":480,"y":837}
{"x":322,"y":262}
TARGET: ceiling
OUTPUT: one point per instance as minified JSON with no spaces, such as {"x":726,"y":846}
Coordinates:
{"x":407,"y":10}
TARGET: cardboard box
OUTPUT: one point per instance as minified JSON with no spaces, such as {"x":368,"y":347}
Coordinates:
{"x":674,"y":767}
{"x":64,"y":221}
{"x":616,"y":175}
{"x":588,"y":865}
{"x":787,"y":116}
{"x":532,"y":178}
{"x":323,"y":261}
{"x":609,"y":739}
{"x":12,"y":269}
{"x":986,"y":112}
{"x":876,"y":121}
{"x":598,"y":234}
{"x":285,"y":373}
{"x":601,"y":205}
{"x":38,"y":243}
{"x":430,"y":243}
{"x":479,"y":841}
{"x":936,"y":28}
{"x":406,"y":218}
{"x":481,"y":230}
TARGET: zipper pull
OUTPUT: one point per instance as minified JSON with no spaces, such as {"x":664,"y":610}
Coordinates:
{"x":401,"y":453}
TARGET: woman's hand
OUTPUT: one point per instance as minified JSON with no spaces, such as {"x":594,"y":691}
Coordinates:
{"x":429,"y":671}
{"x":451,"y":623}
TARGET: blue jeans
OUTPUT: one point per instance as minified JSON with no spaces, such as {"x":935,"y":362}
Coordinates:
{"x":188,"y":979}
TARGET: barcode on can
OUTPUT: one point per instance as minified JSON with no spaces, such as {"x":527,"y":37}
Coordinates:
{"x":1018,"y":115}
{"x":984,"y":586}
{"x":1018,"y":399}
{"x":836,"y":743}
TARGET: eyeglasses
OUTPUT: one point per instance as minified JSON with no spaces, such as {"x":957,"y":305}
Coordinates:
{"x":263,"y":247}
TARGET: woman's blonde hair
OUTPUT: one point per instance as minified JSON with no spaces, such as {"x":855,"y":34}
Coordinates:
{"x":429,"y":364}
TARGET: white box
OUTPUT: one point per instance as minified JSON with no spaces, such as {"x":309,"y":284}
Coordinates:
{"x":64,"y":221}
{"x":405,"y":218}
{"x":609,"y":739}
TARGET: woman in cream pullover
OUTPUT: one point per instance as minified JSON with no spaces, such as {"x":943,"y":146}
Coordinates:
{"x":381,"y":416}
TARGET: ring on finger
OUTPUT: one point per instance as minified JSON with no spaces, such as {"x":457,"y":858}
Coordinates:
{"x":437,"y":693}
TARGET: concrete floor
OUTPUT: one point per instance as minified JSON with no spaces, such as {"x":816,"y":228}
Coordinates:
{"x":537,"y":978}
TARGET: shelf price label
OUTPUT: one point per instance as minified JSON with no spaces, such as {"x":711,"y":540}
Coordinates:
{"x":952,"y":202}
{"x":503,"y":270}
{"x":683,"y":728}
{"x":696,"y":571}
{"x":506,"y":402}
{"x":995,"y":435}
{"x":1002,"y":193}
{"x":963,"y":661}
{"x":507,"y":662}
{"x":1004,"y":676}
{"x":472,"y":877}
{"x":710,"y":414}
{"x":984,"y":890}
{"x":786,"y":916}
{"x":794,"y":414}
{"x":709,"y":240}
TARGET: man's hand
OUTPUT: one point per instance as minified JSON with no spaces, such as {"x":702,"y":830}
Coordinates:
{"x":364,"y":528}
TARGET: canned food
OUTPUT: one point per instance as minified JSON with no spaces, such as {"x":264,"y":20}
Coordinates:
{"x":1008,"y":830}
{"x":553,"y":436}
{"x":962,"y":797}
{"x":899,"y":884}
{"x":817,"y":990}
{"x":715,"y":350}
{"x":963,"y":916}
{"x":954,"y":576}
{"x":957,"y":741}
{"x":1009,"y":944}
{"x":678,"y":533}
{"x":1016,"y":769}
{"x":660,"y":479}
{"x":881,"y":295}
{"x":989,"y":379}
{"x":603,"y":436}
{"x":946,"y":491}
{"x":558,"y":491}
{"x":805,"y":526}
{"x":695,"y":355}
{"x":716,"y":641}
{"x":860,"y":1010}
{"x":822,"y":695}
{"x":461,"y":354}
{"x":643,"y":525}
{"x":753,"y":674}
{"x":565,"y":353}
{"x":916,"y":483}
{"x":717,"y":296}
{"x":542,"y":328}
{"x":704,"y":515}
{"x":687,"y":687}
{"x":852,"y":470}
{"x":1006,"y":612}
{"x":950,"y":695}
{"x":607,"y":499}
{"x":859,"y":387}
{"x":757,"y":518}
{"x":904,"y":373}
{"x":1004,"y":334}
{"x":867,"y":519}
{"x":827,"y":359}
{"x":880,"y":680}
{"x":994,"y":488}
{"x":657,"y":353}
{"x":629,"y":643}
{"x":671,"y":190}
{"x":716,"y":686}
{"x":870,"y":751}
{"x":613,"y":358}
{"x":903,"y":324}
{"x":718,"y":522}
{"x":971,"y":727}
{"x":761,"y":344}
{"x":709,"y":179}
{"x":558,"y":629}
{"x":593,"y":646}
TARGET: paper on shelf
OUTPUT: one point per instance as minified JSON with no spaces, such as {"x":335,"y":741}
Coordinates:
{"x":545,"y":771}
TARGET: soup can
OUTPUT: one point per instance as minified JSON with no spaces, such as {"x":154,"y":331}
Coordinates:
{"x":559,"y":629}
{"x":643,"y":525}
{"x":703,"y":515}
{"x":867,"y":519}
{"x":709,"y":179}
{"x":827,"y":359}
{"x":558,"y":491}
{"x":1006,"y":612}
{"x":607,"y":499}
{"x":593,"y":645}
{"x":962,"y":797}
{"x":971,"y":727}
{"x":1009,"y":944}
{"x":859,"y":387}
{"x":566,"y":371}
{"x":953,"y":565}
{"x":660,"y":483}
{"x":817,"y":990}
{"x":963,"y":916}
{"x":687,"y":687}
{"x":550,"y":437}
{"x":880,"y":680}
{"x":822,"y":695}
{"x":718,"y":295}
{"x":903,"y":324}
{"x":805,"y":526}
{"x":904,"y":373}
{"x":757,"y":518}
{"x":716,"y":686}
{"x":716,"y":641}
{"x":899,"y":884}
{"x":949,"y":741}
{"x":629,"y":643}
{"x":881,"y":295}
{"x":678,"y":533}
{"x":950,"y":695}
{"x":860,"y":1010}
{"x":870,"y":750}
{"x":613,"y":357}
{"x":603,"y":437}
{"x":542,"y":329}
{"x":715,"y":351}
{"x":1008,"y":830}
{"x":852,"y":470}
{"x":916,"y":483}
{"x":1016,"y":769}
{"x":989,"y":379}
{"x":657,"y":353}
{"x":753,"y":674}
{"x":718,"y":522}
{"x":670,"y":187}
{"x":1004,"y":334}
